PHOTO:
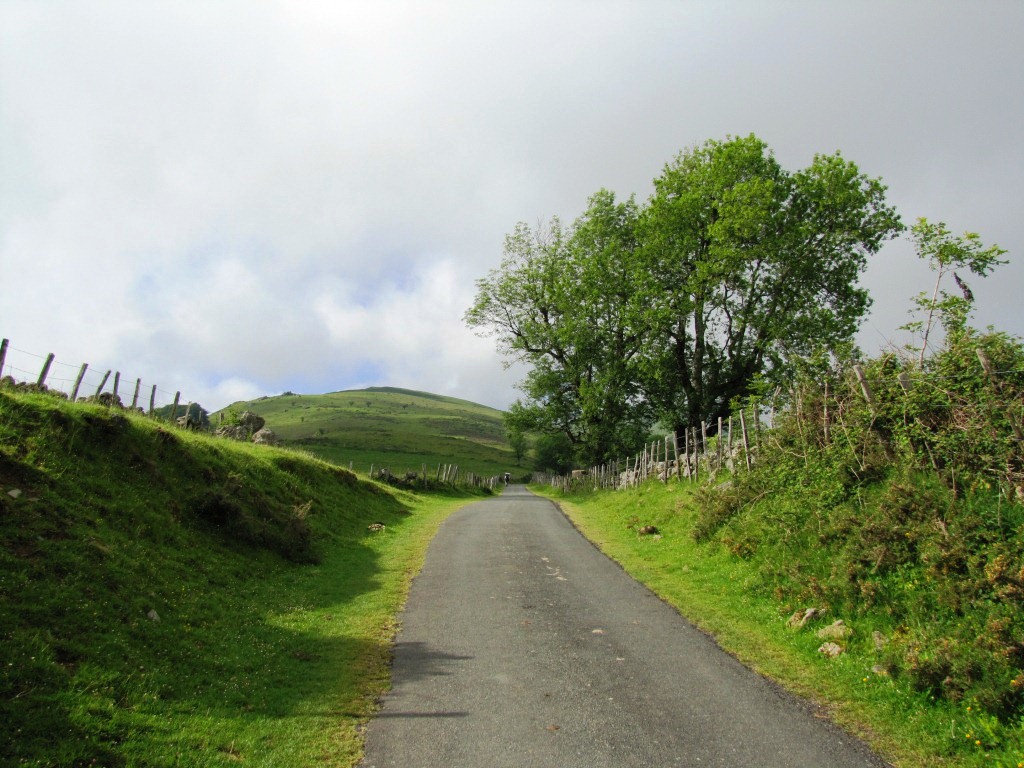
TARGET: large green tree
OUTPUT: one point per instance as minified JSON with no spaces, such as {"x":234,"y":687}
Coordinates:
{"x":564,"y":301}
{"x":747,"y":265}
{"x":672,"y":311}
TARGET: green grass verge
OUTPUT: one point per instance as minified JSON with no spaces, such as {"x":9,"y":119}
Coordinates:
{"x":720,"y":593}
{"x":173,"y":599}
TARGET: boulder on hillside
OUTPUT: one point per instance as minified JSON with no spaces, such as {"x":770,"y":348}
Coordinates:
{"x":799,"y":619}
{"x":831,"y":650}
{"x":837,"y":630}
{"x":251,"y":422}
{"x":108,"y":399}
{"x":232,"y":432}
{"x":265,"y":437}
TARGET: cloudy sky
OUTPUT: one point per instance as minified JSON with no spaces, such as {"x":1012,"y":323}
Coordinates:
{"x":233,"y":199}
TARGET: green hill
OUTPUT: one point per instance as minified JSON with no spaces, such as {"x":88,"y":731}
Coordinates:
{"x":388,"y":427}
{"x":171,"y":598}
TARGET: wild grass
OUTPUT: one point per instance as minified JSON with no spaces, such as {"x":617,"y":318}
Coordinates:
{"x":173,"y":599}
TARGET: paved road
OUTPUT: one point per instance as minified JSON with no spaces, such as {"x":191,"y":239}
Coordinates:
{"x":522,"y":645}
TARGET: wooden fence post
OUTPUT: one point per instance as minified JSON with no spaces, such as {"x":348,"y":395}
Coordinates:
{"x":78,"y":382}
{"x":704,"y":443}
{"x":135,"y":398}
{"x":730,"y":462}
{"x":756,"y":408}
{"x":696,"y":457}
{"x":103,"y":383}
{"x":720,"y":444}
{"x":41,"y":381}
{"x":3,"y":355}
{"x":746,"y":441}
{"x":174,"y":407}
{"x":865,"y":387}
{"x":152,"y":401}
{"x":675,"y":452}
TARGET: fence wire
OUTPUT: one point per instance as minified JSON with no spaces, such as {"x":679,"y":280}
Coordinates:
{"x":26,"y":367}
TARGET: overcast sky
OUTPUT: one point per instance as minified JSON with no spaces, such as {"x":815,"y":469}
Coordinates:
{"x":238,"y":199}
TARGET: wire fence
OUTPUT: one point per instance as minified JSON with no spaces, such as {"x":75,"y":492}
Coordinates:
{"x":993,"y":405}
{"x":80,"y":381}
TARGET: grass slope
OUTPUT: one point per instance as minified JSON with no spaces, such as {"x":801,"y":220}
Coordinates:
{"x":173,"y":599}
{"x":388,"y":427}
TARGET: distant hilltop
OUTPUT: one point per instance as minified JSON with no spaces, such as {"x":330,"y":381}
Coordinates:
{"x":387,"y":427}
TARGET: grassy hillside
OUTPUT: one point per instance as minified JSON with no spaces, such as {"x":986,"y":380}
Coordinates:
{"x":175,"y":599}
{"x":387,"y":427}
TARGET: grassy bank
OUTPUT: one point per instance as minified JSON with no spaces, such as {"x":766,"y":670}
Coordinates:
{"x":173,"y":599}
{"x":730,"y":597}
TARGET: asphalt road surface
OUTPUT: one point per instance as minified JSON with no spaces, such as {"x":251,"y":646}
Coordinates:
{"x":522,"y":645}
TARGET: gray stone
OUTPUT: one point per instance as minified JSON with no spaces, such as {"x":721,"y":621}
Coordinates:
{"x":830,"y":649}
{"x":799,"y":619}
{"x":252,"y":422}
{"x":232,"y":432}
{"x":265,"y":437}
{"x":837,"y":630}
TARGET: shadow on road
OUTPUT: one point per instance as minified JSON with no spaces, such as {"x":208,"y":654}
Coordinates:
{"x":420,"y":661}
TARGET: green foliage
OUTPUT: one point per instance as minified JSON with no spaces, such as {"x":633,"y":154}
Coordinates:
{"x":671,"y":311}
{"x":517,"y":441}
{"x":945,"y":253}
{"x":749,"y":266}
{"x":231,"y":416}
{"x":553,"y":453}
{"x":565,"y":301}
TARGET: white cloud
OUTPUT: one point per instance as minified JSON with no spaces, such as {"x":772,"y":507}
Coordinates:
{"x":267,"y":196}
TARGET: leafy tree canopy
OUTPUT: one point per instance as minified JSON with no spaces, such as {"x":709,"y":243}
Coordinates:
{"x":747,"y":266}
{"x":671,"y":310}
